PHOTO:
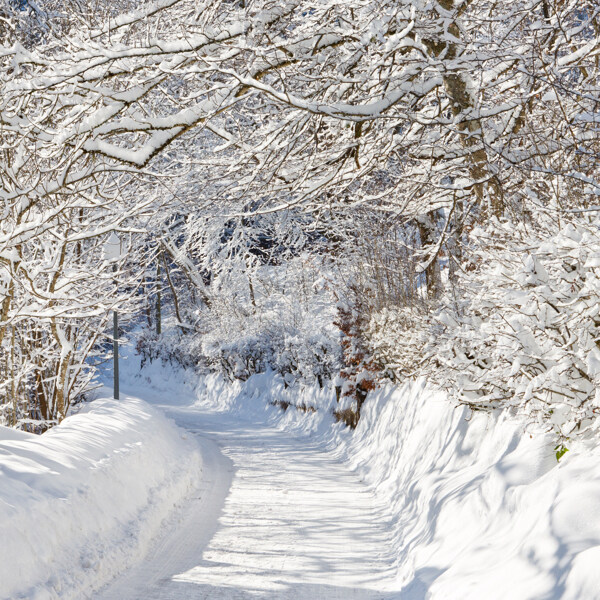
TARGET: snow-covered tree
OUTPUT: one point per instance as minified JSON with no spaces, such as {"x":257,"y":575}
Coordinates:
{"x":433,"y":119}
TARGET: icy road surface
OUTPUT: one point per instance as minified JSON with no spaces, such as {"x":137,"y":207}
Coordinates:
{"x":276,"y":517}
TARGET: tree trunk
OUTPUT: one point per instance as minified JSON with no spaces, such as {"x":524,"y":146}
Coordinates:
{"x":428,"y":235}
{"x":457,"y":86}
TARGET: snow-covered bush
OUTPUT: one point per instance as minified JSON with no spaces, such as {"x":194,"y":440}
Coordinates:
{"x":172,"y":346}
{"x":287,"y":327}
{"x":294,"y":353}
{"x":397,"y":337}
{"x":522,"y":333}
{"x":528,"y":335}
{"x":282,"y":322}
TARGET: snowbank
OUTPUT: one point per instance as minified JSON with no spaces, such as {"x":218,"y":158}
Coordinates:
{"x":478,"y":507}
{"x":84,"y":501}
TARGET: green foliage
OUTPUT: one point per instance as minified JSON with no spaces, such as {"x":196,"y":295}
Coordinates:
{"x":561,"y":450}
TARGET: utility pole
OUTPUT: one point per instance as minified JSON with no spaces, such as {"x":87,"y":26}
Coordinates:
{"x":115,"y":353}
{"x":112,"y":253}
{"x":158,"y":297}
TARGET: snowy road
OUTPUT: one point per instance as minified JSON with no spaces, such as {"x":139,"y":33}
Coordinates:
{"x":276,"y":517}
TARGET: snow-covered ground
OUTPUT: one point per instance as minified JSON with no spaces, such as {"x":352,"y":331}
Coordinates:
{"x":281,"y":519}
{"x":422,"y":501}
{"x":86,"y":500}
{"x":476,"y":507}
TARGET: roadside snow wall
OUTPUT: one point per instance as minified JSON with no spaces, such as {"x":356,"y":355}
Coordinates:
{"x":83,"y":501}
{"x":478,"y":507}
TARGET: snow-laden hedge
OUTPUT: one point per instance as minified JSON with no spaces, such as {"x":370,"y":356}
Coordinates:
{"x":397,"y":337}
{"x":83,"y":501}
{"x":529,"y":337}
{"x":295,"y":353}
{"x":522,"y":332}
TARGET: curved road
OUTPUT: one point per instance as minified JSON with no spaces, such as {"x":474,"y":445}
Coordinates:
{"x":276,"y":517}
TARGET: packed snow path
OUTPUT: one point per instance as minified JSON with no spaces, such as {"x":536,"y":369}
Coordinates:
{"x":276,"y":517}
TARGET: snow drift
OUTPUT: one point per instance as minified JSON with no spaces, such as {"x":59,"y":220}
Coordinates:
{"x":479,"y":507}
{"x":83,"y":501}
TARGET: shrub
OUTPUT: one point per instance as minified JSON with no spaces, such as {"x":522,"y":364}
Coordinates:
{"x":528,"y":337}
{"x":359,"y":371}
{"x":522,"y":333}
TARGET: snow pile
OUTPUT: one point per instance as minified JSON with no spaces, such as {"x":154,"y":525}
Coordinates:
{"x":481,"y":509}
{"x":262,"y":392}
{"x":478,"y":507}
{"x":83,"y":501}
